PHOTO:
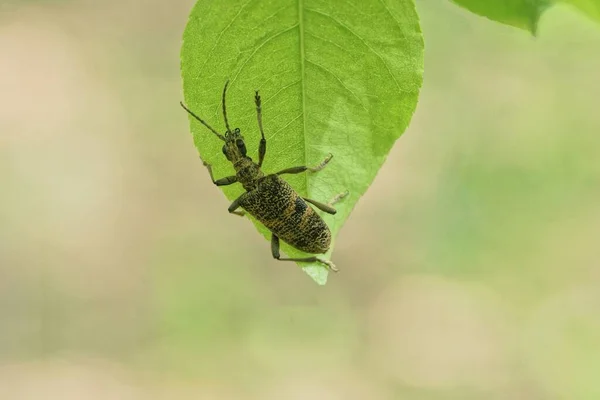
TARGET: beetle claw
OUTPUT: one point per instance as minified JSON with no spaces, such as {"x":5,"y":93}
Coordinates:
{"x":330,"y":265}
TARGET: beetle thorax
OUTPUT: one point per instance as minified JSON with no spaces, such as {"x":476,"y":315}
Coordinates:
{"x":248,"y":173}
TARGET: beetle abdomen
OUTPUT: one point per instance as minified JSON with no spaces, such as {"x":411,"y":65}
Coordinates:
{"x":275,"y":203}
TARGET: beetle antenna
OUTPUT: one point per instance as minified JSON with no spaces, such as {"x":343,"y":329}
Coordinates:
{"x":224,"y":109}
{"x":202,"y":121}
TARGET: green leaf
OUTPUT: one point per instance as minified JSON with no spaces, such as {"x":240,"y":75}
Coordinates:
{"x":524,"y":14}
{"x":590,"y":7}
{"x":337,"y":77}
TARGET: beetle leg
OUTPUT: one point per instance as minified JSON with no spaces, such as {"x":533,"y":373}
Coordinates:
{"x":297,"y":170}
{"x":233,"y":208}
{"x":323,"y":207}
{"x":228,"y":180}
{"x":276,"y":255}
{"x":262,"y":147}
{"x":328,"y":208}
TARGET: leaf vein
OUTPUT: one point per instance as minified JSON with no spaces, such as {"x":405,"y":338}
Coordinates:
{"x":267,"y":40}
{"x":328,"y":41}
{"x":364,"y":42}
{"x":393,"y":18}
{"x":220,"y":36}
{"x":340,"y":82}
{"x":303,"y":78}
{"x":285,"y":126}
{"x":282,"y":89}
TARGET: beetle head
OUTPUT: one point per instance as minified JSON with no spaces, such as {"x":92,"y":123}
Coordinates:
{"x":234,"y":148}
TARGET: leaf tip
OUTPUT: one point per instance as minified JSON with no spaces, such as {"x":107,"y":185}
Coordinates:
{"x":318,"y":273}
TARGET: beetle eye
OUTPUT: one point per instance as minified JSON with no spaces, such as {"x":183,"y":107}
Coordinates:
{"x":224,"y":149}
{"x":241,"y":146}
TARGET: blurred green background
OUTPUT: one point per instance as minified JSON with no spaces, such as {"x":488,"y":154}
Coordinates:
{"x":469,"y":270}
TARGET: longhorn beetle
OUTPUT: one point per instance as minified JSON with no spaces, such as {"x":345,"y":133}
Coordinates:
{"x":269,"y":198}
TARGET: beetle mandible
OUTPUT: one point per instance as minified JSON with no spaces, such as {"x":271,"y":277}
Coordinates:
{"x":269,"y":198}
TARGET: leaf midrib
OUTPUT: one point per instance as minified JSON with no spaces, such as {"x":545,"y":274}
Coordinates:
{"x":303,"y":87}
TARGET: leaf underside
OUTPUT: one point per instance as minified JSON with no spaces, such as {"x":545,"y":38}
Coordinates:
{"x":524,"y":14}
{"x":335,"y":77}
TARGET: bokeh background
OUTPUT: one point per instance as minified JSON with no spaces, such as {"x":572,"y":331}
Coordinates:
{"x":469,"y":270}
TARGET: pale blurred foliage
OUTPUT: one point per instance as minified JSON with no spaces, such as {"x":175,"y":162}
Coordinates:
{"x":468,"y":271}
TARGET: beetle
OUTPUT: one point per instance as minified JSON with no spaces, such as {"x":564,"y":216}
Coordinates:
{"x":269,"y":198}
